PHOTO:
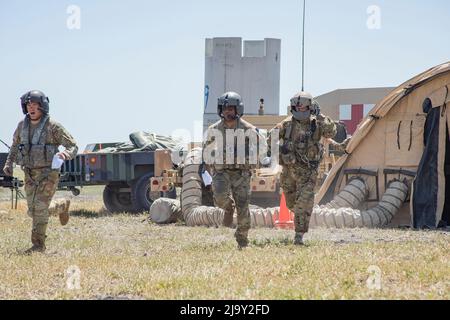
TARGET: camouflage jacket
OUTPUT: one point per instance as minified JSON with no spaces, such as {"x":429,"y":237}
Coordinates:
{"x":300,"y":140}
{"x":230,"y":149}
{"x":37,"y":151}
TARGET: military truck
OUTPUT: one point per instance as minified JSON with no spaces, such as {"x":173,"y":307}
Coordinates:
{"x":125,"y":175}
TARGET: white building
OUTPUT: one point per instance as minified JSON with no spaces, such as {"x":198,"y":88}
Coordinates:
{"x":253,"y":73}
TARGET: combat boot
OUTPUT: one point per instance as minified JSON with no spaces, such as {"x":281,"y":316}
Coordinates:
{"x":241,"y":240}
{"x":38,"y":244}
{"x":298,"y":239}
{"x":242,"y":243}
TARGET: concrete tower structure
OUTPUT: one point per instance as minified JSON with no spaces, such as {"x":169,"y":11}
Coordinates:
{"x":254,"y":73}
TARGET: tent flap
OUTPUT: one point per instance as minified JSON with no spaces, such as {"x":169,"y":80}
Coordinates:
{"x":426,"y":187}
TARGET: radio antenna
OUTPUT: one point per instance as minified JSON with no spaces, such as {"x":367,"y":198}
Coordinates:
{"x":303,"y":46}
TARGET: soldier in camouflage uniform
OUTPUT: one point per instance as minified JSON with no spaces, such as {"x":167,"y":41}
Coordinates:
{"x":300,"y":154}
{"x":231,"y":175}
{"x":35,"y":143}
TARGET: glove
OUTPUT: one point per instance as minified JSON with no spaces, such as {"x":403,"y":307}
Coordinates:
{"x":8,"y":169}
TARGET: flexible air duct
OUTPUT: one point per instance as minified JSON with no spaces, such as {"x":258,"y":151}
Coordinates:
{"x":376,"y":217}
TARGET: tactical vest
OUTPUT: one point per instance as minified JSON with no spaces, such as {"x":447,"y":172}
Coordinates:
{"x":35,"y":153}
{"x":233,"y":148}
{"x":304,"y":148}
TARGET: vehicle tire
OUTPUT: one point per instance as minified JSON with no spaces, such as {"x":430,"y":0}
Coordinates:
{"x":140,"y":193}
{"x":116,"y":201}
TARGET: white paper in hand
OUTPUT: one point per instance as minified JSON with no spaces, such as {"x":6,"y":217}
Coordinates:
{"x":57,"y":162}
{"x":207,"y":180}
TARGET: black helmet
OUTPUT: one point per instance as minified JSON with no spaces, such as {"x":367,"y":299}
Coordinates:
{"x":35,"y":96}
{"x":230,"y":99}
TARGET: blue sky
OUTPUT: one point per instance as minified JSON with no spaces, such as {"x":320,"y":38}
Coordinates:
{"x":139,"y":65}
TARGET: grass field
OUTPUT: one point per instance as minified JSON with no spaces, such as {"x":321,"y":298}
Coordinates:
{"x":102,"y":256}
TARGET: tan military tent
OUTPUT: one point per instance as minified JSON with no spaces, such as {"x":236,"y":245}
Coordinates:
{"x":405,"y":137}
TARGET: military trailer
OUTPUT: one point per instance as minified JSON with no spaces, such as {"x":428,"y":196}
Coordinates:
{"x":125,"y":175}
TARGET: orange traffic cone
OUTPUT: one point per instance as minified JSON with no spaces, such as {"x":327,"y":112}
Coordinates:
{"x":285,"y":217}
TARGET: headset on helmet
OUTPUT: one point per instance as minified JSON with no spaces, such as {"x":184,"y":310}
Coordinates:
{"x":35,"y":96}
{"x":230,"y":99}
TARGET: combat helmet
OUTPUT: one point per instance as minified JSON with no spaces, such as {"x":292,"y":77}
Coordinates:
{"x":301,"y":98}
{"x":230,"y":99}
{"x":35,"y":96}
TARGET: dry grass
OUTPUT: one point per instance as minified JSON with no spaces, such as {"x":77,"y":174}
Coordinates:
{"x":124,"y":256}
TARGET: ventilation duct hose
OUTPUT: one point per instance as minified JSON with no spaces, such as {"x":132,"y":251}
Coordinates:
{"x":193,"y":212}
{"x":379,"y":216}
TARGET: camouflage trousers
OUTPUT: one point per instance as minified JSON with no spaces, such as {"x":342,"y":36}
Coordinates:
{"x":231,"y":188}
{"x":40,"y":186}
{"x":298,"y":186}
